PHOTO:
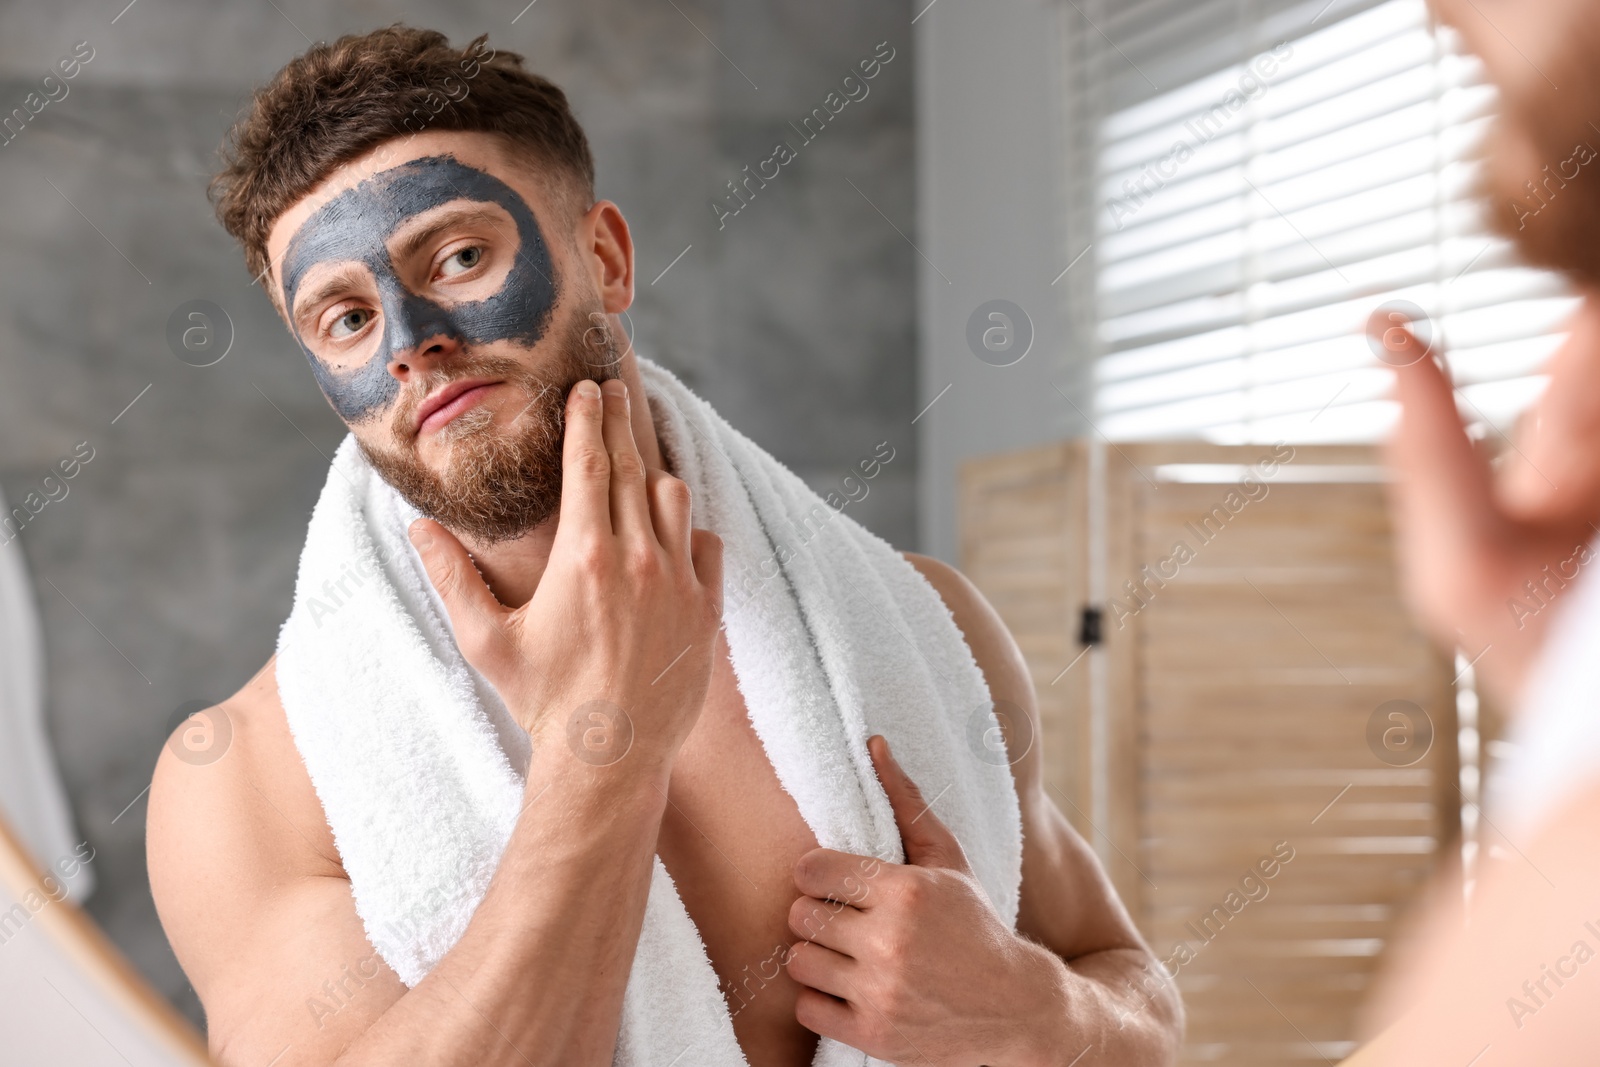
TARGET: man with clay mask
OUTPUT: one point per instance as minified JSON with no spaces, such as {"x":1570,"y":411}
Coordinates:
{"x":349,"y":880}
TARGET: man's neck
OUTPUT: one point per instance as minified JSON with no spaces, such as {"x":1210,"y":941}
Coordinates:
{"x":513,"y":568}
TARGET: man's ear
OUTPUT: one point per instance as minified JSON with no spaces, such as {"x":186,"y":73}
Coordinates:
{"x":606,"y":246}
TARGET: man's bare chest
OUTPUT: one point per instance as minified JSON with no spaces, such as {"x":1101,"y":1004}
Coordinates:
{"x":729,"y":838}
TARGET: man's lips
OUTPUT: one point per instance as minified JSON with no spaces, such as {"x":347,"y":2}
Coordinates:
{"x":450,"y":400}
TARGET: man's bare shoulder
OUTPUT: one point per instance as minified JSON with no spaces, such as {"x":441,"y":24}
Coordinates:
{"x":232,"y":816}
{"x":996,"y":653}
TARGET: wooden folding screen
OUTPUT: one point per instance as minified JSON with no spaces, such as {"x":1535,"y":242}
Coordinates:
{"x":1260,"y":745}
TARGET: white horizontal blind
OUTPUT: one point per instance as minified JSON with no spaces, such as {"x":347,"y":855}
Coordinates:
{"x":1265,"y":174}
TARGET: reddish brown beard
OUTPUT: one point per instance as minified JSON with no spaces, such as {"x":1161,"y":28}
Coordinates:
{"x":497,"y":483}
{"x":1554,"y":223}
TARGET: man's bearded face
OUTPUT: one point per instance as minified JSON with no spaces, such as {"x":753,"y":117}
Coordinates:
{"x":434,"y":272}
{"x":497,"y":481}
{"x":1542,"y":160}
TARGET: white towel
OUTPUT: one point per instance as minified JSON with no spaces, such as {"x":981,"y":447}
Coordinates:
{"x":32,"y":798}
{"x":1555,"y":734}
{"x":833,"y":637}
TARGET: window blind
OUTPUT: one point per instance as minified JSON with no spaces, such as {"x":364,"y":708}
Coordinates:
{"x":1263,"y":176}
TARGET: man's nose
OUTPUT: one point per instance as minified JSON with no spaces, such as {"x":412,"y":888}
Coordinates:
{"x":420,"y":332}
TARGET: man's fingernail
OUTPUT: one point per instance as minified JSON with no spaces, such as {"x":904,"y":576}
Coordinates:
{"x":588,"y":389}
{"x":420,"y":536}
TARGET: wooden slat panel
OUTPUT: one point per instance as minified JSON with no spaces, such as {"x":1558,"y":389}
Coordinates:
{"x":1238,"y":685}
{"x":1265,"y":655}
{"x":1022,"y":536}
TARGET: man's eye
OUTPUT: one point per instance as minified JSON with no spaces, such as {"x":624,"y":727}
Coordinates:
{"x":463,"y":260}
{"x":350,"y":323}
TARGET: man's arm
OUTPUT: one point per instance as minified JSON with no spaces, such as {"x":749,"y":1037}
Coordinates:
{"x":1472,"y":539}
{"x":1114,"y":994}
{"x":260,"y":914}
{"x":1501,"y":979}
{"x":910,"y":962}
{"x":1079,"y":978}
{"x":243,"y":867}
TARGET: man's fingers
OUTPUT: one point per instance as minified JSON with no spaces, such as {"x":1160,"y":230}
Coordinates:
{"x":828,"y":874}
{"x":1441,"y":480}
{"x":670,"y":512}
{"x":826,"y":1015}
{"x":830,"y":924}
{"x":585,"y":466}
{"x":475,"y":614}
{"x":822,"y":968}
{"x":630,"y":509}
{"x":928,"y":841}
{"x":705,"y":550}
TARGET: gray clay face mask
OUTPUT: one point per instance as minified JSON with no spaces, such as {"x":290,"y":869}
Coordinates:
{"x":355,"y":226}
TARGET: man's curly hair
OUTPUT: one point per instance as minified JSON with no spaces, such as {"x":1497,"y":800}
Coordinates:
{"x":337,"y":101}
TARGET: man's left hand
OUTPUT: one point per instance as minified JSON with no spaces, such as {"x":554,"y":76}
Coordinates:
{"x":910,"y":962}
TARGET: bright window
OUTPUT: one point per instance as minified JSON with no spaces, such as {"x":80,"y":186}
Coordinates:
{"x":1263,"y":176}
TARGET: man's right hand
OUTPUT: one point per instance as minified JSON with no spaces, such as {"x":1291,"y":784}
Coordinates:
{"x":1469,"y":542}
{"x":627,"y":611}
{"x":629,"y":604}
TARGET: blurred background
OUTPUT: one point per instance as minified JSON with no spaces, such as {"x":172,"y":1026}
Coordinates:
{"x":1087,"y":266}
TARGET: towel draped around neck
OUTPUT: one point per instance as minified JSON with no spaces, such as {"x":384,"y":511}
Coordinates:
{"x":833,"y":637}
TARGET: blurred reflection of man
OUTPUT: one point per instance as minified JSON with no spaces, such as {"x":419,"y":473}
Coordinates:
{"x":1498,"y":563}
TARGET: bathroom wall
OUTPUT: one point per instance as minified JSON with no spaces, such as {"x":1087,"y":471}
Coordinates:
{"x":994,"y":138}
